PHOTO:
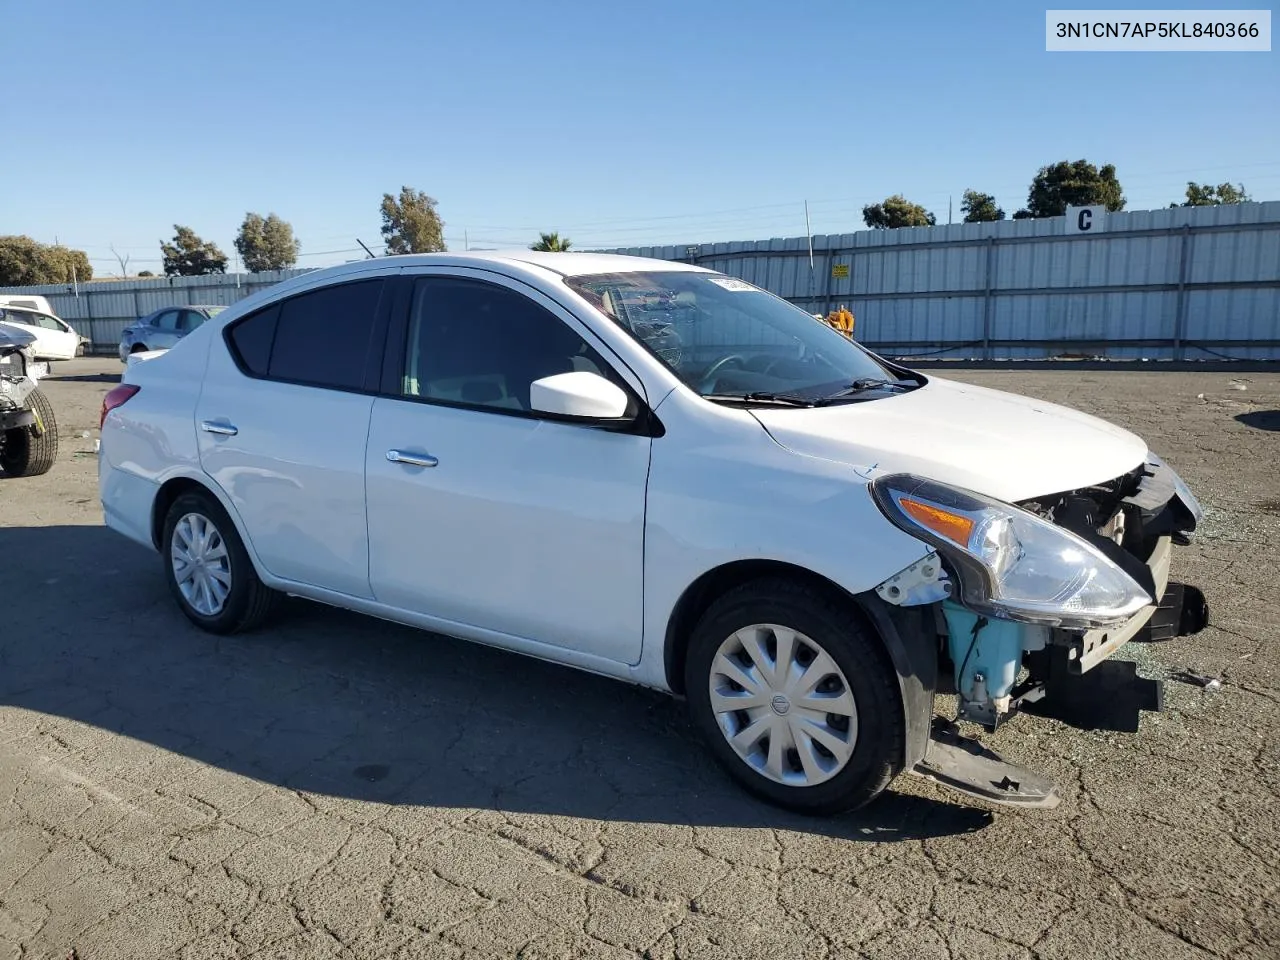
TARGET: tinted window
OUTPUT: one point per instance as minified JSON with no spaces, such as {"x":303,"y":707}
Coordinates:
{"x":190,"y":320}
{"x":322,"y":337}
{"x":166,"y":321}
{"x":480,"y":344}
{"x":251,"y":340}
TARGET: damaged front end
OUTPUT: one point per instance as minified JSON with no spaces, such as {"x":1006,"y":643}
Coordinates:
{"x":1030,"y":601}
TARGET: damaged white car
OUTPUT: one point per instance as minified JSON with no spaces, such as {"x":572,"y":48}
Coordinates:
{"x":28,"y":428}
{"x":666,"y":475}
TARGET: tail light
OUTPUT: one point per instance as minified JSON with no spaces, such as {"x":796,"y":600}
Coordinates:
{"x":116,"y":397}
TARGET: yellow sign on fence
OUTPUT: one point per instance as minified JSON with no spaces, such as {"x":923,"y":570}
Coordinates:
{"x":840,"y":270}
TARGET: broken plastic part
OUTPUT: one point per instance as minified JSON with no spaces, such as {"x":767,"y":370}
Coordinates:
{"x":925,"y":581}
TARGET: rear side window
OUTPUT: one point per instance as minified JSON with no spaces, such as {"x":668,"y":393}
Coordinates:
{"x":322,"y":338}
{"x":251,"y":340}
{"x":319,"y":338}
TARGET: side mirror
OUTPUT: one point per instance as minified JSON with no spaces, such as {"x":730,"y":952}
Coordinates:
{"x":580,"y":394}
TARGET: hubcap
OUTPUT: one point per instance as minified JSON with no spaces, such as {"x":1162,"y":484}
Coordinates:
{"x":201,"y":565}
{"x":783,"y":704}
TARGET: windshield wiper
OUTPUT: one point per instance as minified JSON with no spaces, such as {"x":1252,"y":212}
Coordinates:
{"x":761,"y":396}
{"x":867,"y":384}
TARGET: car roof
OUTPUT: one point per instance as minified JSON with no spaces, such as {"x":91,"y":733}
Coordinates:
{"x":568,"y":264}
{"x":185,"y":306}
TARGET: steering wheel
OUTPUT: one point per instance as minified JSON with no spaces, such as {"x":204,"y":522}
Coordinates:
{"x":709,"y":378}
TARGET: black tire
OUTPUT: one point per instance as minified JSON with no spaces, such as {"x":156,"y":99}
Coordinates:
{"x":138,"y":348}
{"x":834,"y":623}
{"x":24,"y":455}
{"x":249,"y":603}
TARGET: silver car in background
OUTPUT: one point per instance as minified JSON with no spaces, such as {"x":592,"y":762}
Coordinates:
{"x":161,"y":329}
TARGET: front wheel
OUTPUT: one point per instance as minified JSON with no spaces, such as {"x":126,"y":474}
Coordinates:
{"x":796,"y":696}
{"x":31,"y":451}
{"x":208,"y":569}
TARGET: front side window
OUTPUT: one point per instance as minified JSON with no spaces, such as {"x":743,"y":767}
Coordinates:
{"x":167,"y":321}
{"x":190,"y":320}
{"x":726,"y":338}
{"x":47,"y":322}
{"x":478,"y":344}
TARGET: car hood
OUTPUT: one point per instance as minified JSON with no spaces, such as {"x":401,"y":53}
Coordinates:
{"x":1003,"y":445}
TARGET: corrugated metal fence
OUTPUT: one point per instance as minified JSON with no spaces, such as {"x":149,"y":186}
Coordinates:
{"x":100,"y":310}
{"x":1182,"y":283}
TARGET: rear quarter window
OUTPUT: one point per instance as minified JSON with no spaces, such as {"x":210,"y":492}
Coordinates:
{"x":250,"y":340}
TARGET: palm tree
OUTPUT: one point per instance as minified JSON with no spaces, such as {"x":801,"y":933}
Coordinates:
{"x":551,"y":243}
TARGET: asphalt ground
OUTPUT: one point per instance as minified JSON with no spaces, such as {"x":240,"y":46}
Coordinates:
{"x":339,"y":787}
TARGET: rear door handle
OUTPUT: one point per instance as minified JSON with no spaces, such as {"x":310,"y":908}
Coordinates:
{"x":220,"y":427}
{"x":412,"y":459}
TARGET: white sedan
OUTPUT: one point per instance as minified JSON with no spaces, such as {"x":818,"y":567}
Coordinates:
{"x":666,"y":475}
{"x":55,"y":339}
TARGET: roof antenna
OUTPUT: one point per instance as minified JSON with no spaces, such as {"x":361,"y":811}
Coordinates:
{"x":366,"y":249}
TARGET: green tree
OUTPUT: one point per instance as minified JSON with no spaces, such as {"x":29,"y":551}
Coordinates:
{"x":26,"y":261}
{"x":1071,"y":184}
{"x":1207,"y":195}
{"x":410,"y":223}
{"x":980,"y":207}
{"x":896,"y":211}
{"x":189,"y":256}
{"x":551,"y":243}
{"x":266,"y":244}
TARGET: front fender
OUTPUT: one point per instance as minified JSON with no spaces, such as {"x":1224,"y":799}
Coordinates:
{"x":731,"y":495}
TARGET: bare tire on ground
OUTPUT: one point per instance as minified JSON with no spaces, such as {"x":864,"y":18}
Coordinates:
{"x":22,"y":453}
{"x":796,"y":696}
{"x":208,"y":569}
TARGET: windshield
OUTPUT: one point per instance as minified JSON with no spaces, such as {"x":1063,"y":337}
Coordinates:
{"x":726,"y":338}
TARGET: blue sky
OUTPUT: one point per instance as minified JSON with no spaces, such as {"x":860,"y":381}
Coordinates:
{"x":614,"y":123}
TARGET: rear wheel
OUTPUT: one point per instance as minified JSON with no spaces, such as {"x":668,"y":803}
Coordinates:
{"x":23,"y":453}
{"x":796,"y":696}
{"x":208,"y":569}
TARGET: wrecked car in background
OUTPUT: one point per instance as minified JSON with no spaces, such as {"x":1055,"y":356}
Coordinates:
{"x":28,"y":428}
{"x":666,"y":475}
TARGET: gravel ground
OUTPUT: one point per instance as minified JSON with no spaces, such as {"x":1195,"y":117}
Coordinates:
{"x":337,"y":786}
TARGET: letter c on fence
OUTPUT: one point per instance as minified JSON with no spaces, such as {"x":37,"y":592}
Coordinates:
{"x":1085,"y":219}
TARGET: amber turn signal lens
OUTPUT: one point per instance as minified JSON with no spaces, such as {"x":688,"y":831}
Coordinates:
{"x":954,"y":527}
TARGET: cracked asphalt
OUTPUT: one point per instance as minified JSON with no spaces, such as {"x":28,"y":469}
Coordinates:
{"x":340,"y":787}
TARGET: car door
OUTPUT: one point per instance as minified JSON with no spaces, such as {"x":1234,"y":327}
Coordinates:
{"x":493,"y":516}
{"x":281,"y":424}
{"x":188,"y":321}
{"x":162,"y":332}
{"x":56,"y":341}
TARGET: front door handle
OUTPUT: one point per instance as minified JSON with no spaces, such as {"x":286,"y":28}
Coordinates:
{"x":412,"y":459}
{"x":220,"y":427}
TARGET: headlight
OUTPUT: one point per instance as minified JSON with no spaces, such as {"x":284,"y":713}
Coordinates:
{"x":1011,"y":564}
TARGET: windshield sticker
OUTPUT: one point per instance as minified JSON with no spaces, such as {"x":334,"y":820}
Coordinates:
{"x":730,"y":283}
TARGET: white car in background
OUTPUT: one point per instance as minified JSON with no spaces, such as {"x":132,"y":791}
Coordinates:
{"x":662,"y":474}
{"x":55,"y":339}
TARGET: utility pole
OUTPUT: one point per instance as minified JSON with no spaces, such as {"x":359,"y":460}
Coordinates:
{"x":466,"y":240}
{"x":948,"y":209}
{"x":808,"y":232}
